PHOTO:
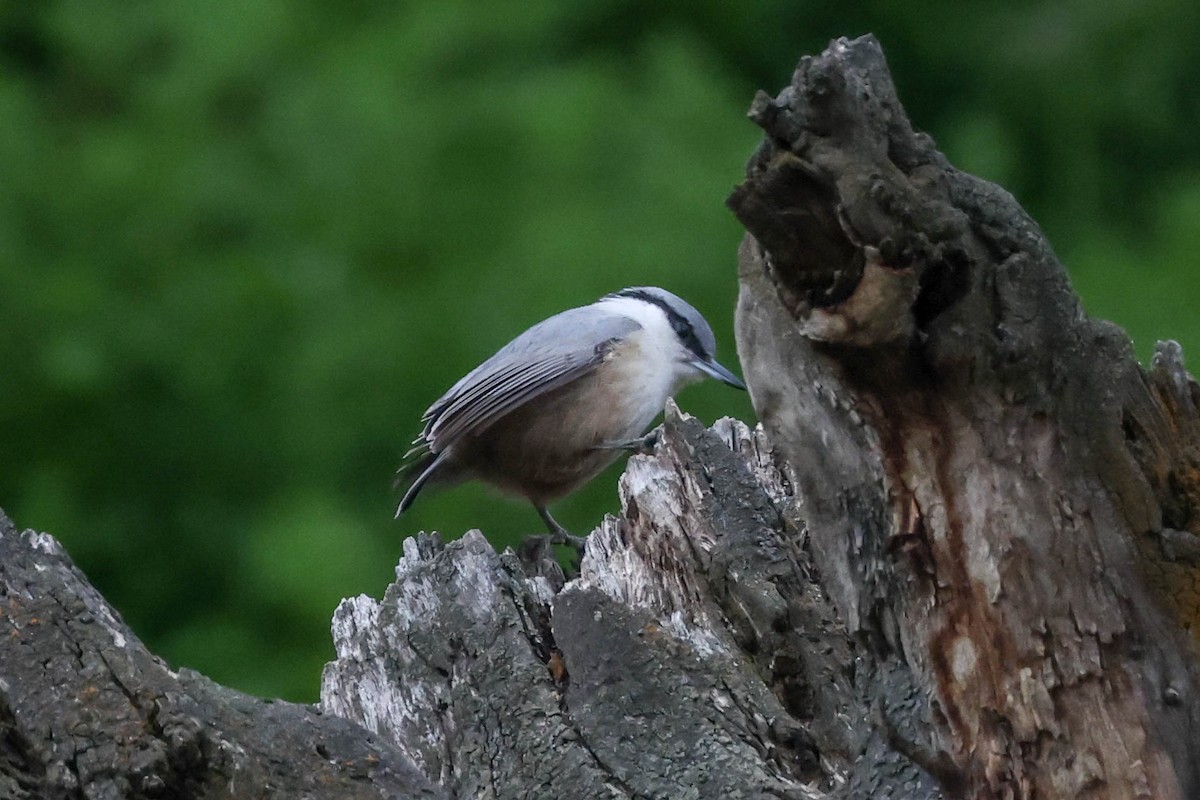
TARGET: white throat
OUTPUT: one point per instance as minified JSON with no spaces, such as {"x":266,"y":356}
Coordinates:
{"x":661,"y":348}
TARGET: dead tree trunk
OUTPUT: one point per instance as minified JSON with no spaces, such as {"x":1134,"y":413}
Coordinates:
{"x":995,"y":489}
{"x":958,"y":560}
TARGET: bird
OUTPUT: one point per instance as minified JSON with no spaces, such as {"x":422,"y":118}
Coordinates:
{"x":560,"y":402}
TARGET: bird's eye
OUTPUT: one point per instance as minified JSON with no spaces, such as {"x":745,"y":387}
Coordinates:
{"x":687,"y":335}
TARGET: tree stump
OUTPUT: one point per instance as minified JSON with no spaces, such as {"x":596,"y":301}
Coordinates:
{"x":958,"y":557}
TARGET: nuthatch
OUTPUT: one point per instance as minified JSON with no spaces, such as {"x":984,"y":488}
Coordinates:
{"x":557,"y":404}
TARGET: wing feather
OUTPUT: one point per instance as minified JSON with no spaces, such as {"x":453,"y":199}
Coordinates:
{"x":518,"y":386}
{"x":546,"y":357}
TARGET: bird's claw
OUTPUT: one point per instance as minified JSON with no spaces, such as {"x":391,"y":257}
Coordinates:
{"x":559,"y":534}
{"x":642,"y":445}
{"x":569,"y":539}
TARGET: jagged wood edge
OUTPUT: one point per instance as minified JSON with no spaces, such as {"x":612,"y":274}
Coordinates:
{"x":86,"y":710}
{"x":694,"y":649}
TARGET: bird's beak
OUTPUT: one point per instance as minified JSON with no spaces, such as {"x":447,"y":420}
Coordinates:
{"x":715,"y":370}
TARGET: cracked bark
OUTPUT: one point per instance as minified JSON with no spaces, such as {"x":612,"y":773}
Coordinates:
{"x":1000,"y":497}
{"x":86,"y":711}
{"x":958,"y":559}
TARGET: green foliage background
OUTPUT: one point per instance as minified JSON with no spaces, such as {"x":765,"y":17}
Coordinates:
{"x":243,"y":245}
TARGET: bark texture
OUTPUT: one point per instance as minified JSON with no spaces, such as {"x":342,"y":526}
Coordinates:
{"x":958,"y":557}
{"x":680,"y":662}
{"x":87,"y":712}
{"x":1002,"y":503}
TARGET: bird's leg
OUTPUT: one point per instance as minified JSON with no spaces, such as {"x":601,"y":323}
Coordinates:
{"x":559,"y":534}
{"x":642,"y":445}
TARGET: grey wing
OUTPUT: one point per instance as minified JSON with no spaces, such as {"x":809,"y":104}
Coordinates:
{"x":549,"y":355}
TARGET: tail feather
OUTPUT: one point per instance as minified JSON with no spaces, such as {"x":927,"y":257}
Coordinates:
{"x":414,"y":474}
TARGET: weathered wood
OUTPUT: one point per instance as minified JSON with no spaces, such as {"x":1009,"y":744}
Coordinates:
{"x":987,"y":472}
{"x":86,"y":711}
{"x":636,"y":679}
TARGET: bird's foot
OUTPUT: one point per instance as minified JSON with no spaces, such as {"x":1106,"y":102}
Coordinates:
{"x":559,"y":534}
{"x":642,"y":445}
{"x":569,"y":539}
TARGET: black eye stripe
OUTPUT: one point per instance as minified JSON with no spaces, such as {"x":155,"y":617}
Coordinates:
{"x":679,"y":323}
